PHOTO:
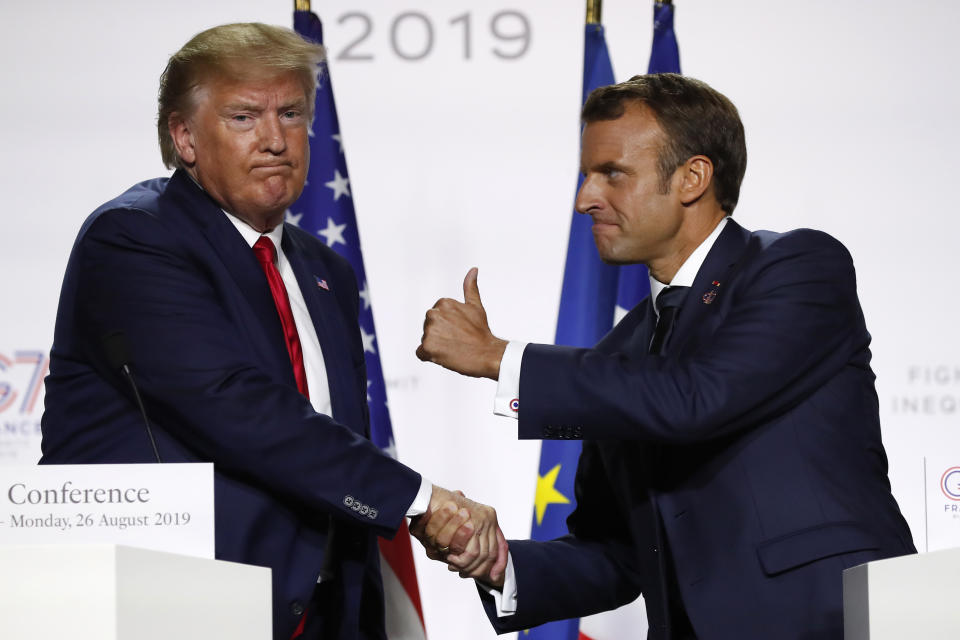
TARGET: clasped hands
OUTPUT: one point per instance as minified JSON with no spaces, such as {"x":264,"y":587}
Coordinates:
{"x":464,"y":534}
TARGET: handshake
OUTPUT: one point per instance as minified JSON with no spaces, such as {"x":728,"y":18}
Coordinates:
{"x":465,"y":535}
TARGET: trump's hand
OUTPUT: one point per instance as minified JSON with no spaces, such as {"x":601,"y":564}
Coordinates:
{"x":464,"y":534}
{"x":457,"y":337}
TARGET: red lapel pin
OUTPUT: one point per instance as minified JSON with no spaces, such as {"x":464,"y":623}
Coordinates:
{"x":711,"y":295}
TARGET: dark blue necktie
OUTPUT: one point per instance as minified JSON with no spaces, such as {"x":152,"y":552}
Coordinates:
{"x":668,"y":305}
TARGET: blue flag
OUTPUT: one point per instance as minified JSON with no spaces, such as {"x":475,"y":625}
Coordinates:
{"x":664,"y":54}
{"x":634,"y":282}
{"x":325,"y":208}
{"x":586,"y":313}
{"x":593,"y":298}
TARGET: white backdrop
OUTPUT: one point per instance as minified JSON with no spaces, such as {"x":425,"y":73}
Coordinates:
{"x":464,"y":157}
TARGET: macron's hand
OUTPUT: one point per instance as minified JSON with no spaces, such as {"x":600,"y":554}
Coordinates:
{"x":490,"y":570}
{"x":456,"y":335}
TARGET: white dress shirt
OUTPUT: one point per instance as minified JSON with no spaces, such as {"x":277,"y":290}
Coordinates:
{"x":507,"y":401}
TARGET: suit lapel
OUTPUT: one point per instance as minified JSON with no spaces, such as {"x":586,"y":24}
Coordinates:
{"x":708,"y":286}
{"x":233,"y":251}
{"x":328,"y":322}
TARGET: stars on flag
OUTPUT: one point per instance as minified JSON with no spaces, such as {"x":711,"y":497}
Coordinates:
{"x":333,"y":233}
{"x":391,"y":448}
{"x":340,"y":185}
{"x":329,"y":177}
{"x":321,"y":76}
{"x":365,"y":296}
{"x":368,"y":339}
{"x":547,"y":493}
{"x":618,"y":313}
{"x":292,"y":218}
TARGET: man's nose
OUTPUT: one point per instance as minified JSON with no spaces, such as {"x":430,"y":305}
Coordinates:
{"x":586,"y":199}
{"x":272,"y":136}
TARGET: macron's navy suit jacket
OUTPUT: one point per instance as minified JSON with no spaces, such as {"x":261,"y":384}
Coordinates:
{"x":755,"y":439}
{"x":165,"y":267}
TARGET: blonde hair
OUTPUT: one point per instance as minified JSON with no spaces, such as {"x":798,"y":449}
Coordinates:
{"x":236,"y":51}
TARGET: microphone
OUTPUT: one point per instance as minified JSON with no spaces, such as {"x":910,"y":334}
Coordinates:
{"x":118,"y":356}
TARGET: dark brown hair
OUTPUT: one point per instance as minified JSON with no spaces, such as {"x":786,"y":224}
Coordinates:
{"x":696,"y":120}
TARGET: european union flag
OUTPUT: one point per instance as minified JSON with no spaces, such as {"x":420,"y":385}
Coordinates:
{"x":586,"y":313}
{"x":664,"y":54}
{"x":633,"y":283}
{"x":594,"y":297}
{"x":326,"y":208}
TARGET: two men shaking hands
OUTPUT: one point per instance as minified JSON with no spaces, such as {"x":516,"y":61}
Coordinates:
{"x":748,"y":363}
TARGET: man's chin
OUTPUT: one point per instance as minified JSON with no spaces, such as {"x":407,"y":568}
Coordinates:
{"x":611,"y":257}
{"x":278,"y":199}
{"x":615,"y":262}
{"x":265,"y":213}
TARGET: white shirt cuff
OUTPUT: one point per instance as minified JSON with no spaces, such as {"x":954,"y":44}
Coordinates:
{"x":507,"y":401}
{"x":422,"y":501}
{"x":505,"y":601}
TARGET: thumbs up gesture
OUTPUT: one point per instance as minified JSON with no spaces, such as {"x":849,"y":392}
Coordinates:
{"x":457,"y":337}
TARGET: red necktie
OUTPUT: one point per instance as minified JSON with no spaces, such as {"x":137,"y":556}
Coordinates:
{"x":267,"y":254}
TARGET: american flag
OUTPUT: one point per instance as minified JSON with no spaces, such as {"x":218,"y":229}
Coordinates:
{"x":326,"y":209}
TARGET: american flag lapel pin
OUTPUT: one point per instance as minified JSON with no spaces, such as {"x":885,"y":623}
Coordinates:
{"x":322,"y":283}
{"x":711,"y":295}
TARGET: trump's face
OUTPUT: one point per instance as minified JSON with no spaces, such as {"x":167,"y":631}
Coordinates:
{"x":633,"y":220}
{"x":246,"y":143}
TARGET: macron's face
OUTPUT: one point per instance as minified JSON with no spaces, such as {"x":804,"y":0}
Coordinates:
{"x":633,"y":222}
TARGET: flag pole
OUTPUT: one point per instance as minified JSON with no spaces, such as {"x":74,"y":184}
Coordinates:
{"x":593,"y":11}
{"x":301,"y":5}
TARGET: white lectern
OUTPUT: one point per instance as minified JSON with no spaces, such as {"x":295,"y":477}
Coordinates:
{"x":110,"y":592}
{"x":916,"y":596}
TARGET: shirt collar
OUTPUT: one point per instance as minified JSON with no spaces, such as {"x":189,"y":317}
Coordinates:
{"x":687,"y":272}
{"x":251,"y":235}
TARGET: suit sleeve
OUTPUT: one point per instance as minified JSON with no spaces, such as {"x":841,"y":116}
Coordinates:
{"x":793,"y":325}
{"x":202,"y":388}
{"x":592,"y":569}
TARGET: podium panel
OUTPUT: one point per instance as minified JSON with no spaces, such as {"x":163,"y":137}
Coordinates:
{"x":913,"y":596}
{"x":110,"y":592}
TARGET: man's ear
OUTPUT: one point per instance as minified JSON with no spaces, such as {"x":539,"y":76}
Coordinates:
{"x":182,"y":134}
{"x":696,"y":178}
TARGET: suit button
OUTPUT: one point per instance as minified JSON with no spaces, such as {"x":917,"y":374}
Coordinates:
{"x":654,"y":549}
{"x":296,"y":608}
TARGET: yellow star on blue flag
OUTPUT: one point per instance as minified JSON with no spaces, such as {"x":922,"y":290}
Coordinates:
{"x":547,"y":493}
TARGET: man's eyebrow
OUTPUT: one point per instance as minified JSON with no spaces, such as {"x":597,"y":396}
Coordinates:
{"x":298,"y":103}
{"x":242,"y":106}
{"x":606,"y":166}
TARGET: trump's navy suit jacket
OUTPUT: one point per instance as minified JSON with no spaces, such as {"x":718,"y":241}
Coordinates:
{"x":755,"y":440}
{"x":164,"y":266}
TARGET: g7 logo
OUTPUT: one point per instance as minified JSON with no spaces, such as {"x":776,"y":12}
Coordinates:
{"x":28,"y":368}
